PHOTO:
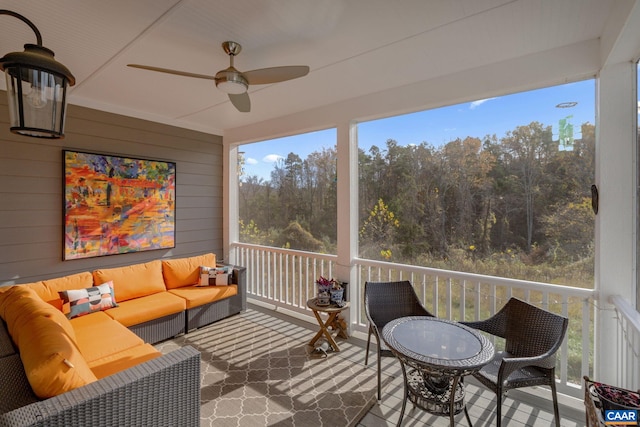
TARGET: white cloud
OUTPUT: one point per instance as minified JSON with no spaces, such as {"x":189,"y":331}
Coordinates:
{"x":478,"y":103}
{"x":272,"y":158}
{"x":251,"y":161}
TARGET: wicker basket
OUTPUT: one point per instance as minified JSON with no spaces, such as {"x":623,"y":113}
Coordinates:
{"x":595,"y":404}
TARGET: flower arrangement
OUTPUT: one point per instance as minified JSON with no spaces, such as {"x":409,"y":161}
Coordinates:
{"x":329,"y":290}
{"x":324,"y":290}
{"x":324,"y":284}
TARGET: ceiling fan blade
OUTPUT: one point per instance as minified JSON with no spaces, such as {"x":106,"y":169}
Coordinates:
{"x":265,"y":76}
{"x":168,"y":71}
{"x":241,"y":102}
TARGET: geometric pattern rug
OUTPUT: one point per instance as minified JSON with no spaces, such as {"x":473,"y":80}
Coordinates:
{"x":257,"y":370}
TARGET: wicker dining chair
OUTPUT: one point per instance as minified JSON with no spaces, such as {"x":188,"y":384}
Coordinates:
{"x":532,"y":337}
{"x":384,"y":302}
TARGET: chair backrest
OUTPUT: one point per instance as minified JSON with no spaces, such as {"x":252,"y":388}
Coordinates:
{"x":386,"y":301}
{"x":532,"y":331}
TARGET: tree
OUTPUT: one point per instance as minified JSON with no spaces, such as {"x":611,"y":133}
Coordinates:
{"x":467,"y":172}
{"x":529,"y":148}
{"x":287,"y":180}
{"x":320,"y":193}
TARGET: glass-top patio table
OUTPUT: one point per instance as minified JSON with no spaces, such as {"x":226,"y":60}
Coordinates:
{"x":435,"y":354}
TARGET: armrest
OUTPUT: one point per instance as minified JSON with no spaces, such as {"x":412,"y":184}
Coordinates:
{"x":495,"y":325}
{"x":512,"y":364}
{"x":239,"y":276}
{"x":161,"y":392}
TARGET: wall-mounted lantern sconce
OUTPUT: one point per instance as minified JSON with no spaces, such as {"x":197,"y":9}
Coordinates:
{"x":36,"y":88}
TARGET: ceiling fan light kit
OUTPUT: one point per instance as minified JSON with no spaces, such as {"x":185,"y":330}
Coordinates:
{"x":36,"y":88}
{"x":236,"y":83}
{"x":231,"y":81}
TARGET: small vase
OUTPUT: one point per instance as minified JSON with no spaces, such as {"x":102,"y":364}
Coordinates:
{"x":336,"y":295}
{"x":323,"y":299}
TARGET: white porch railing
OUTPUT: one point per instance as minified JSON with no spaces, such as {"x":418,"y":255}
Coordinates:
{"x":628,"y":344}
{"x":285,"y":278}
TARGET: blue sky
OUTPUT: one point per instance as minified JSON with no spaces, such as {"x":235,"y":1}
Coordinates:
{"x":441,"y":125}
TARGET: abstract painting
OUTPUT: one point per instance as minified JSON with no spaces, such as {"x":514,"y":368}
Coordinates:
{"x":116,"y":205}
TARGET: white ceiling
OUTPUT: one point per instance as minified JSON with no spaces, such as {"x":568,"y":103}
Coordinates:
{"x":353,"y":47}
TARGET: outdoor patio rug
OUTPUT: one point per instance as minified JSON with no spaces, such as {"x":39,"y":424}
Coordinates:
{"x":257,"y":370}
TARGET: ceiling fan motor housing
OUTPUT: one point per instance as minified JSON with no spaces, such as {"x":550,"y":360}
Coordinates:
{"x":231,"y":48}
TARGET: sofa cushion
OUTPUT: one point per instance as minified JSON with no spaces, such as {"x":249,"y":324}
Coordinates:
{"x":144,"y":309}
{"x":122,"y":360}
{"x":185,"y":271}
{"x":99,"y":336}
{"x":52,"y":362}
{"x":51,"y":359}
{"x":133,"y":281}
{"x":80,"y":302}
{"x":20,"y":303}
{"x":48,"y":289}
{"x":196,"y":296}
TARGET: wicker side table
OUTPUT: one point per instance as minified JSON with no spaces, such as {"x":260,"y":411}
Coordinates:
{"x":334,"y":321}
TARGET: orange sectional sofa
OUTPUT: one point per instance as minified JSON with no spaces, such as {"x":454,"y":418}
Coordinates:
{"x":70,"y":343}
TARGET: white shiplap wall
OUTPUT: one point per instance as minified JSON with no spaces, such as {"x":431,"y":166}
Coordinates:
{"x":31,"y":203}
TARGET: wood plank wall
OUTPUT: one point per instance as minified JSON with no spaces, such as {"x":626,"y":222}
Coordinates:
{"x":31,"y":200}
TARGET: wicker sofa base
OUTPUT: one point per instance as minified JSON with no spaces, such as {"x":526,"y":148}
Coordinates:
{"x":164,"y":391}
{"x":12,"y":374}
{"x":160,"y":329}
{"x":161,"y":392}
{"x":203,"y":315}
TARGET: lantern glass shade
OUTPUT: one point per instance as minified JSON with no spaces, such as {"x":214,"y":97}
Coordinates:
{"x":36,"y":100}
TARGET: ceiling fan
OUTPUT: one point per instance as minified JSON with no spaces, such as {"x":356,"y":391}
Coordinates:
{"x":236,"y":83}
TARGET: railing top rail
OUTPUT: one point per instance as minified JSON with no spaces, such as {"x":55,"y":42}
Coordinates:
{"x":626,"y":310}
{"x":285,"y":251}
{"x":504,"y":281}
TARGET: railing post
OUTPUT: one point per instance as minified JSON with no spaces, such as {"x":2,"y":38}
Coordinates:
{"x":627,"y":344}
{"x":586,"y":335}
{"x":616,"y":223}
{"x":347,"y":215}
